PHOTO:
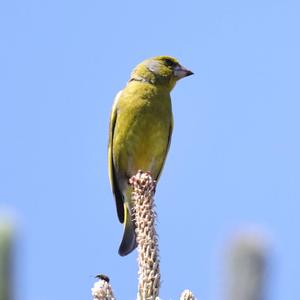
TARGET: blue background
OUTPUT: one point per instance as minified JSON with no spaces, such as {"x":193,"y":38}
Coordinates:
{"x":234,"y":159}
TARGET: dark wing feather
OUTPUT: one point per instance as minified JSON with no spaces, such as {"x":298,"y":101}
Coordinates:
{"x":111,"y":169}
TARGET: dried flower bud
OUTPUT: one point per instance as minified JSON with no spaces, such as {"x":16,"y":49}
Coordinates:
{"x":102,"y":291}
{"x":187,"y":295}
{"x":143,"y":211}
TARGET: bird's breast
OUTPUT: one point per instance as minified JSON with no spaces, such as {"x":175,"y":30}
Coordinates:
{"x":142,"y":134}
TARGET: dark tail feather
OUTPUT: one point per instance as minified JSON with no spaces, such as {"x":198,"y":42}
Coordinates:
{"x":128,"y":243}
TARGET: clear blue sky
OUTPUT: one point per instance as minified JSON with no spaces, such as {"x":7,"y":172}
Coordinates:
{"x":234,"y":159}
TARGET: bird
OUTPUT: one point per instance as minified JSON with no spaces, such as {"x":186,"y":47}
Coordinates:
{"x":140,"y":131}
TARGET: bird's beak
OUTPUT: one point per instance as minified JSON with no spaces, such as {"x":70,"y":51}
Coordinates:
{"x":181,"y":72}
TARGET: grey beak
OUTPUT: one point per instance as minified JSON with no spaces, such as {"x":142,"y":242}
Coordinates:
{"x":188,"y":73}
{"x":181,"y":72}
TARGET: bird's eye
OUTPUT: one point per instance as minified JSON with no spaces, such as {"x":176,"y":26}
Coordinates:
{"x":169,"y":62}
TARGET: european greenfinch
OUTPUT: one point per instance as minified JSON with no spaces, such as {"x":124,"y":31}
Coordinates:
{"x":140,"y":132}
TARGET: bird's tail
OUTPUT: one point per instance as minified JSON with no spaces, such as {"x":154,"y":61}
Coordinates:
{"x":128,"y":243}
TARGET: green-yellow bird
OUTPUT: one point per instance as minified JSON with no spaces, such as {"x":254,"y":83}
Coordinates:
{"x":140,"y":132}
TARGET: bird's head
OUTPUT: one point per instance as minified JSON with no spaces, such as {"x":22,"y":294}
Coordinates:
{"x":160,"y":70}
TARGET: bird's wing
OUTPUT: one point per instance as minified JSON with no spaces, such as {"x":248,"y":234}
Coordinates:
{"x":168,"y":146}
{"x":111,"y":169}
